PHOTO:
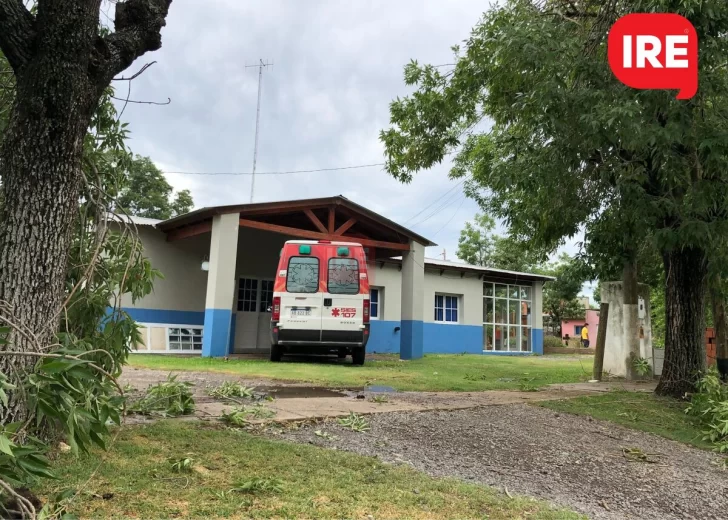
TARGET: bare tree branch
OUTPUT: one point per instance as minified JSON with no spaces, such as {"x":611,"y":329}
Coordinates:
{"x":138,"y":25}
{"x":137,"y":74}
{"x":17,"y":31}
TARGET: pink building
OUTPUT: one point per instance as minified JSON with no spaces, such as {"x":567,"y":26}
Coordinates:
{"x":572,"y":328}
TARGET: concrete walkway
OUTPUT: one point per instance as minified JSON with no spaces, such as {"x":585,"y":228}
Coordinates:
{"x":320,"y":403}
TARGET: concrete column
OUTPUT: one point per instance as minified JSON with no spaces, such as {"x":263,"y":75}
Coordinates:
{"x":537,"y":318}
{"x":220,"y":285}
{"x":413,"y":280}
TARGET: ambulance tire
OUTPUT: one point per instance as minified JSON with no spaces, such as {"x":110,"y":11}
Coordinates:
{"x":275,"y":353}
{"x":358,"y":355}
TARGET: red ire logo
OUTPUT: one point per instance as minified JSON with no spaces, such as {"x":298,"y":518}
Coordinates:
{"x":655,"y":51}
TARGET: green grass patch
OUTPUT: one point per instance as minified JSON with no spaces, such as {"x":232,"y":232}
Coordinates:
{"x":647,"y":412}
{"x":431,"y":373}
{"x":236,"y":475}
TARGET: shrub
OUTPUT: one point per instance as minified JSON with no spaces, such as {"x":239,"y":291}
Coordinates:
{"x":552,"y":341}
{"x":710,"y":406}
{"x":170,"y":398}
{"x":230,"y":389}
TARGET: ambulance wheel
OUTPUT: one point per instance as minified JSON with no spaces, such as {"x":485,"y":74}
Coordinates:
{"x":275,"y":353}
{"x":358,"y":355}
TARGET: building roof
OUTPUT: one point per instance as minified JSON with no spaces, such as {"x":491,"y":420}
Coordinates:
{"x":272,"y":209}
{"x":490,"y":271}
{"x":131,"y":219}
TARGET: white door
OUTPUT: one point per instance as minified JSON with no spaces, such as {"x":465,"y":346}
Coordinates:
{"x":252,"y":320}
{"x":302,"y":302}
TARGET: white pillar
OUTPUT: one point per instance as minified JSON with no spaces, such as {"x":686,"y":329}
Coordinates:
{"x":413,"y":279}
{"x":220,"y":284}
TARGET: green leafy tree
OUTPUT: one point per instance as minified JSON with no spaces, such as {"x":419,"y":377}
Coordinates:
{"x":559,"y":295}
{"x":475,"y":245}
{"x":145,"y":192}
{"x":480,"y":245}
{"x":571,"y":149}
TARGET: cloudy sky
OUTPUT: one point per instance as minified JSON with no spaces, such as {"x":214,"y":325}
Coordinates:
{"x":336,"y":67}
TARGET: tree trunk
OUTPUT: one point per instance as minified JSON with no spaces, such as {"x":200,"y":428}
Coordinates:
{"x":62,"y":65}
{"x":686,"y":273}
{"x":720,"y":324}
{"x":630,"y":313}
{"x":41,"y":171}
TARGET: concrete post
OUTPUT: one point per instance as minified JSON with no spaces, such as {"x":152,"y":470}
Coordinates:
{"x":220,"y":285}
{"x":413,"y":279}
{"x":537,"y":319}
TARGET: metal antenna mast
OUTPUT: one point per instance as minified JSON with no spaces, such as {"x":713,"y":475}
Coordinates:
{"x":260,"y":66}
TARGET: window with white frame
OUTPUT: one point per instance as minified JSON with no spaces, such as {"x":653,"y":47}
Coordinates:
{"x":446,"y":308}
{"x":506,"y":317}
{"x":247,"y":294}
{"x":266,"y":295}
{"x":184,"y":338}
{"x":376,"y":300}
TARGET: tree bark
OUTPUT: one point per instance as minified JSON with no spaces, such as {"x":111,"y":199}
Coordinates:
{"x":61,"y":66}
{"x":720,"y":323}
{"x":601,"y":342}
{"x":686,"y":272}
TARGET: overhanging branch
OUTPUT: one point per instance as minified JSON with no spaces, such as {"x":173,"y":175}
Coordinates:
{"x":138,"y":25}
{"x":17,"y":31}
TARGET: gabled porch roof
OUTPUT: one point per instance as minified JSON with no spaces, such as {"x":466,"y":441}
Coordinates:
{"x":331,"y":218}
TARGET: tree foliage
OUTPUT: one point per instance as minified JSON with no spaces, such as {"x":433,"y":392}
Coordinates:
{"x":571,"y":149}
{"x":480,"y":245}
{"x":146,"y":193}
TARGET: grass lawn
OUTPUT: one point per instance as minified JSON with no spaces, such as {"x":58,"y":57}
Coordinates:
{"x":431,"y":373}
{"x":637,"y":410}
{"x":314,"y":482}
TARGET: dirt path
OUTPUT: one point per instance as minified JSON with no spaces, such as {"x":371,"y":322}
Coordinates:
{"x":572,"y":461}
{"x":495,"y":439}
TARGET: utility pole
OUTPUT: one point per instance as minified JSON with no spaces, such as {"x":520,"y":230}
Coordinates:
{"x":260,"y":66}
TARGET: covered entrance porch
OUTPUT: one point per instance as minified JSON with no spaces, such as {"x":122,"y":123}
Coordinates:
{"x":244,"y":246}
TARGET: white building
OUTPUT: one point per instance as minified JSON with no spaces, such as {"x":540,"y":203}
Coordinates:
{"x":418,"y":305}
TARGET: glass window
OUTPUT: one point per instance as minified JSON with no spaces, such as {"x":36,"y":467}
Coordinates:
{"x":514,"y":339}
{"x":302,"y":275}
{"x":184,"y":339}
{"x":525,"y":293}
{"x":501,"y":311}
{"x":514,"y":312}
{"x":266,"y":295}
{"x":374,"y":302}
{"x":526,"y":339}
{"x":506,"y":317}
{"x":446,"y":308}
{"x":525,"y":313}
{"x":247,"y":294}
{"x":488,"y":337}
{"x":343,"y":276}
{"x":487,"y":310}
{"x":499,"y":339}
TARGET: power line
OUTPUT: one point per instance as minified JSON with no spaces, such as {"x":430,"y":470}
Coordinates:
{"x":433,"y":202}
{"x":453,"y":216}
{"x":446,"y":204}
{"x":358,"y":166}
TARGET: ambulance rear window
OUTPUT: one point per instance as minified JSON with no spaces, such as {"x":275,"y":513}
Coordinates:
{"x":343,"y":276}
{"x":302,"y":275}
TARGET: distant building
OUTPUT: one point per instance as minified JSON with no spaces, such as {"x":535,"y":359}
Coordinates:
{"x":572,"y":328}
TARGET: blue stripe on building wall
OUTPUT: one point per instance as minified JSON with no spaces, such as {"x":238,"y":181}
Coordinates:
{"x":441,"y":338}
{"x":166,"y":316}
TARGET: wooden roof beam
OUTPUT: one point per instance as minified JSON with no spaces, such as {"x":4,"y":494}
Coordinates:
{"x":313,"y":235}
